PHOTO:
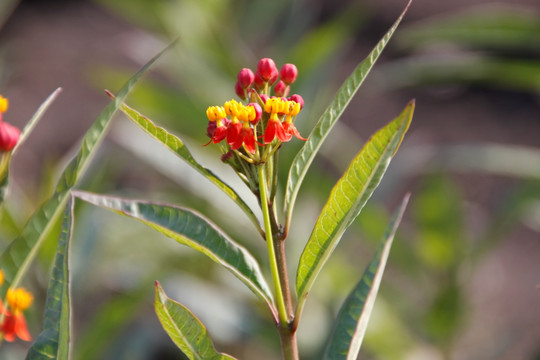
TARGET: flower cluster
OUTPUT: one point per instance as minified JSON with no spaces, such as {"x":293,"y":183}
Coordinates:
{"x":9,"y":134}
{"x":267,"y":116}
{"x":14,"y":323}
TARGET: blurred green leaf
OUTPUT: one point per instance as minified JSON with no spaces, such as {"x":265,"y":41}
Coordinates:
{"x":439,"y":218}
{"x":176,"y":145}
{"x":55,"y":339}
{"x":17,"y":257}
{"x":24,"y":134}
{"x":326,"y":39}
{"x":304,"y":158}
{"x":352,"y":320}
{"x":489,"y":26}
{"x":193,"y":230}
{"x":107,"y":322}
{"x":347,"y":199}
{"x":445,"y":314}
{"x":187,"y":332}
{"x":464,"y":68}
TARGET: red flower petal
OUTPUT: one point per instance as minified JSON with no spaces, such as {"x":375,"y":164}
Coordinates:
{"x":8,"y":327}
{"x":291,"y":130}
{"x":249,"y":140}
{"x":21,"y":329}
{"x":233,"y":133}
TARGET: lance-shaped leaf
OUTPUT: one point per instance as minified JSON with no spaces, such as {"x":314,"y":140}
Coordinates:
{"x":187,"y":332}
{"x":353,"y":317}
{"x":20,"y":253}
{"x":54,"y":340}
{"x":347,"y":199}
{"x":4,"y":172}
{"x":194,"y":230}
{"x":177,"y":146}
{"x":305,"y":156}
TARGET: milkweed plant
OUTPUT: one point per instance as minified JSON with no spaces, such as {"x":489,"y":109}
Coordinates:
{"x":249,"y":130}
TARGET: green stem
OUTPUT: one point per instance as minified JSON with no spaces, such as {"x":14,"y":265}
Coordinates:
{"x":270,"y":245}
{"x":278,"y":267}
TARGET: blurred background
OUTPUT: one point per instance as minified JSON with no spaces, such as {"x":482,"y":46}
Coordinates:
{"x":464,"y":274}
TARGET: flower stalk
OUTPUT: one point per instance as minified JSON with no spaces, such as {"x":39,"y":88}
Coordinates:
{"x":278,"y":266}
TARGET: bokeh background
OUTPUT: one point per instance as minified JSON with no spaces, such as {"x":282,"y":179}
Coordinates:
{"x":462,"y":280}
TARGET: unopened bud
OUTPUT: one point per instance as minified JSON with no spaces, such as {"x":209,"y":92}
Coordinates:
{"x":245,"y":78}
{"x":211,"y":128}
{"x":239,"y":90}
{"x":259,"y":82}
{"x":297,"y":99}
{"x":264,"y":98}
{"x":288,"y":73}
{"x":281,"y":89}
{"x":9,"y":135}
{"x":258,"y":113}
{"x":267,"y":69}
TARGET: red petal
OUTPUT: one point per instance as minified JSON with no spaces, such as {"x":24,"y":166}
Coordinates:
{"x":281,"y":133}
{"x":270,"y":132}
{"x":291,"y":130}
{"x":249,"y":140}
{"x":219,"y":134}
{"x":233,"y":133}
{"x":8,"y":327}
{"x":20,"y":328}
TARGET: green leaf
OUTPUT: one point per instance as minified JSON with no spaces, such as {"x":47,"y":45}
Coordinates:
{"x":108,"y":322}
{"x":4,"y":171}
{"x":304,"y":158}
{"x":347,"y":199}
{"x":187,"y":332}
{"x":177,"y":146}
{"x":353,"y":317}
{"x":191,"y":229}
{"x":54,"y":340}
{"x":19,"y":254}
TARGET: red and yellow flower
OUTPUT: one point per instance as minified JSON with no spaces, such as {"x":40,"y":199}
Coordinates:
{"x":13,"y":325}
{"x":267,"y":117}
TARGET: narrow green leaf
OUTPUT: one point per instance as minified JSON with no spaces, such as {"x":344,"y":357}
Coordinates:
{"x":304,"y":158}
{"x":19,"y":254}
{"x":194,"y":230}
{"x":54,"y":340}
{"x":176,"y":145}
{"x":347,"y":199}
{"x":4,"y":171}
{"x":353,"y":317}
{"x":35,"y":118}
{"x":187,"y":332}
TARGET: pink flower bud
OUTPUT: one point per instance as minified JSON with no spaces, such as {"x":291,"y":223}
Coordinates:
{"x":274,"y":78}
{"x":259,"y":82}
{"x":225,"y":157}
{"x":297,"y":99}
{"x":239,"y":90}
{"x":264,"y":98}
{"x":288,"y":73}
{"x":211,"y":128}
{"x":246,"y":78}
{"x":267,"y":69}
{"x":281,"y":89}
{"x":9,"y":135}
{"x":258,"y":112}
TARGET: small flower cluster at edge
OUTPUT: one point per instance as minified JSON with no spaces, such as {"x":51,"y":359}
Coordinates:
{"x":267,"y":117}
{"x":14,"y":323}
{"x":9,"y":134}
